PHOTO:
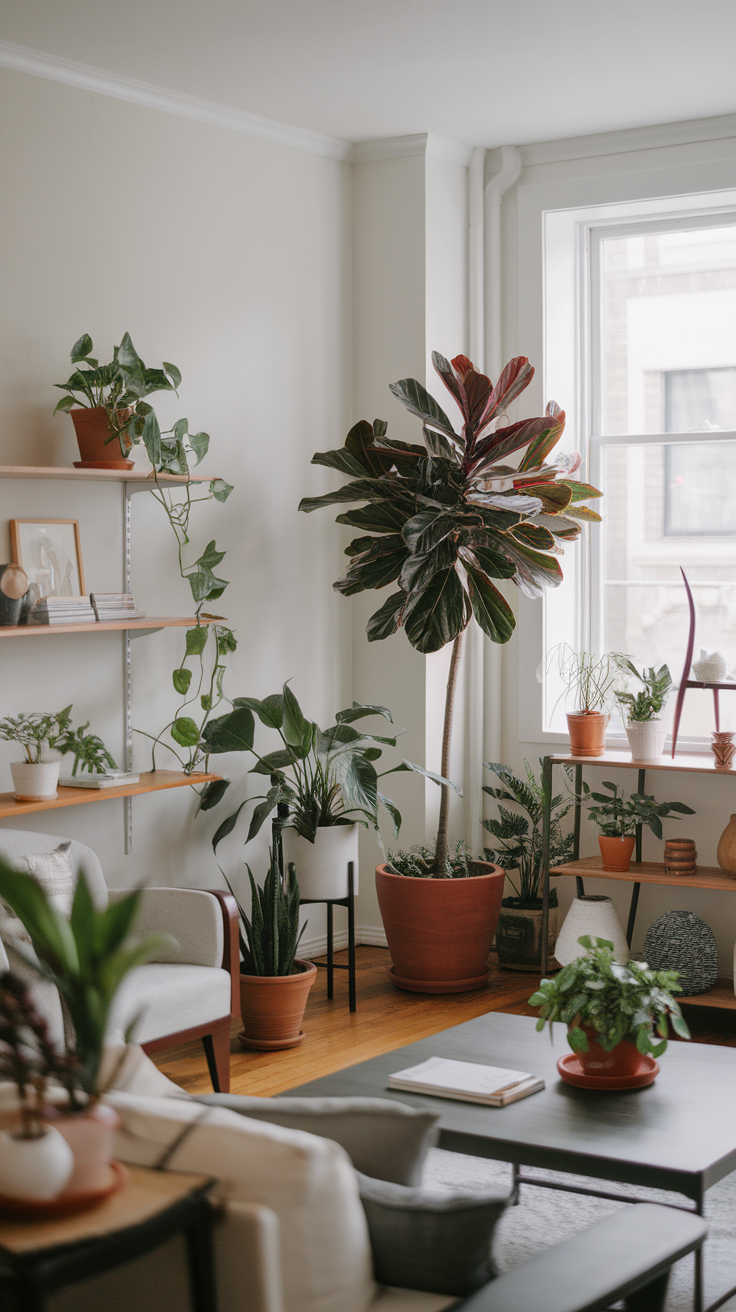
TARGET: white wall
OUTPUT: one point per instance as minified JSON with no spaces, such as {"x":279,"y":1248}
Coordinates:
{"x":547,"y":184}
{"x":230,"y":256}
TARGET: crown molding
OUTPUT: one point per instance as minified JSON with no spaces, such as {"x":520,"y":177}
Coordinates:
{"x":688,"y":132}
{"x":418,"y":143}
{"x":86,"y":78}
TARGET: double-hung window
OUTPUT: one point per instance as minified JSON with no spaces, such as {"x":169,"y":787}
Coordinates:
{"x":655,"y":418}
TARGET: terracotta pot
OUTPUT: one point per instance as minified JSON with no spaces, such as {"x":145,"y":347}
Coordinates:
{"x":726,"y":853}
{"x":93,"y":434}
{"x":439,"y":931}
{"x":322,"y":866}
{"x":587,"y":733}
{"x":519,"y":936}
{"x":622,"y":1062}
{"x":616,"y":852}
{"x":91,"y":1137}
{"x":272,"y":1007}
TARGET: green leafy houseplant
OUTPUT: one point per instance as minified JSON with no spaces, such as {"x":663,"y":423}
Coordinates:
{"x":617,"y":816}
{"x":326,"y":777}
{"x":417,"y":862}
{"x":650,"y":700}
{"x":588,"y":679}
{"x":37,"y":732}
{"x":445,"y":520}
{"x":86,"y":957}
{"x":520,"y":836}
{"x":619,"y":1002}
{"x":270,"y":936}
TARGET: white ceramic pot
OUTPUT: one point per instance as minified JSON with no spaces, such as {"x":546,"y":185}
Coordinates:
{"x":35,"y":1169}
{"x":37,"y":782}
{"x":646,"y":739}
{"x":322,"y":866}
{"x":593,"y":915}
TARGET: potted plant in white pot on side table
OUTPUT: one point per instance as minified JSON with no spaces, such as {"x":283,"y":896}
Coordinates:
{"x":645,"y":729}
{"x":443,"y":521}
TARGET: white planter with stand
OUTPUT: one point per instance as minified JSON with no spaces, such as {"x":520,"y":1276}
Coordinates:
{"x":322,"y":866}
{"x":646,"y":739}
{"x":35,"y":782}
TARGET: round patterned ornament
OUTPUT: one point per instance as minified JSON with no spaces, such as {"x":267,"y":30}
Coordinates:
{"x":680,"y":940}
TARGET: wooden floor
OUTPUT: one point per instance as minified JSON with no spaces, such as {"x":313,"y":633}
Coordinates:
{"x":386,"y":1018}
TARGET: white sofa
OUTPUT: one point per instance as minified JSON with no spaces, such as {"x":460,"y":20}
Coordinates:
{"x":190,"y":991}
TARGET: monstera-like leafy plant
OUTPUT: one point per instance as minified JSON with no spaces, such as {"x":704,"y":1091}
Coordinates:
{"x":446,"y":520}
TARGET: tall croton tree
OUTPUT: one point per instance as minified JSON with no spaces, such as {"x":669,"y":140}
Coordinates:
{"x":444,"y":520}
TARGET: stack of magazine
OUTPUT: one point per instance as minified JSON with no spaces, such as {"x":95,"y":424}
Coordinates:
{"x":111,"y":779}
{"x":61,"y":610}
{"x":115,"y":606}
{"x":493,"y":1086}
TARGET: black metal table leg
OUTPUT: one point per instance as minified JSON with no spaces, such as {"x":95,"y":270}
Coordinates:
{"x":579,"y":885}
{"x":546,"y":814}
{"x":351,"y":935}
{"x":201,"y":1260}
{"x":330,"y":961}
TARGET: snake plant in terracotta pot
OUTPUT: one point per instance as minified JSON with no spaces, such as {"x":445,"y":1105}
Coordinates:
{"x":444,"y":522}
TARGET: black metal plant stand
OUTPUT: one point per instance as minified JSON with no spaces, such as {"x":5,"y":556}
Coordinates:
{"x":330,"y":965}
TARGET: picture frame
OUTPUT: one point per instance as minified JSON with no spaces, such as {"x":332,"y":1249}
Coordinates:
{"x":50,"y":552}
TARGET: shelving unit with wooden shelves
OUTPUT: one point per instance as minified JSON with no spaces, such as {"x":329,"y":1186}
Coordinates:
{"x":641,"y":872}
{"x":131,"y":481}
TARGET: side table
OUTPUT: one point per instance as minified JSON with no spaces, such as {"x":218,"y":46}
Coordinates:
{"x":38,"y":1257}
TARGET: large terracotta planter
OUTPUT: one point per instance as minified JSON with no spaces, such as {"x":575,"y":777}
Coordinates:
{"x":616,"y":852}
{"x":272,"y":1007}
{"x":93,"y":436}
{"x":439,"y":931}
{"x":519,"y":936}
{"x":587,"y":733}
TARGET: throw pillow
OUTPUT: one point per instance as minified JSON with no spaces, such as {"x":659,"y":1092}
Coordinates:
{"x":54,"y":873}
{"x":440,"y":1243}
{"x":383,"y":1138}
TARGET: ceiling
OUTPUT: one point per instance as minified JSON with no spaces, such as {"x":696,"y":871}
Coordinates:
{"x":483,"y":72}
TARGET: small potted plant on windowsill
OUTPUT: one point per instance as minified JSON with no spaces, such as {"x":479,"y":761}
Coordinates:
{"x":617,"y":1016}
{"x":519,"y":929}
{"x":39,"y":733}
{"x":645,"y":729}
{"x":274,"y":984}
{"x":588,"y":680}
{"x":618,"y":816}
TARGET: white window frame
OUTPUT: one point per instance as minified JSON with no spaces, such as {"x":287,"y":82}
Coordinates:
{"x":571,"y":375}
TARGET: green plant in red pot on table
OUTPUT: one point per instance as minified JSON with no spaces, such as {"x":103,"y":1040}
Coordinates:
{"x":617,"y":1016}
{"x":618,"y":816}
{"x":444,"y":522}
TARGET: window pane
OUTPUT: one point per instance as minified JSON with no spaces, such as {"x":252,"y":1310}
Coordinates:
{"x":700,"y":490}
{"x":669,"y":331}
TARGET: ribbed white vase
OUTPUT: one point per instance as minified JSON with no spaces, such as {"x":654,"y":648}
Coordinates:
{"x":36,"y":782}
{"x":594,"y":915}
{"x":646,"y":739}
{"x":322,"y":866}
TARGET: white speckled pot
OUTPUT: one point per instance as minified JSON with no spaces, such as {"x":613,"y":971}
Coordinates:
{"x":646,"y":739}
{"x":322,"y":866}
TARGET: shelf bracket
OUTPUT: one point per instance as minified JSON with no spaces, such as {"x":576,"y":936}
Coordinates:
{"x":127,"y":669}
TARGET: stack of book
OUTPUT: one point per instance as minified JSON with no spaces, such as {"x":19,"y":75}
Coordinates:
{"x":110,"y":606}
{"x":111,"y":779}
{"x":493,"y":1086}
{"x":61,"y":610}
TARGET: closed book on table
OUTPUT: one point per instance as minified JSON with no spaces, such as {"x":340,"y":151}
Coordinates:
{"x":467,"y":1081}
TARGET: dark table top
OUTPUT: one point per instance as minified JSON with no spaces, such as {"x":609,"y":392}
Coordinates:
{"x":678,"y":1134}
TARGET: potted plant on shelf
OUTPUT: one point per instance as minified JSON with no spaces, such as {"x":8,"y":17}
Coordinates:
{"x":326,"y":777}
{"x":38,"y":733}
{"x":645,"y":729}
{"x":617,"y":1016}
{"x":617,"y":817}
{"x":588,"y":680}
{"x":519,"y":930}
{"x":445,"y":521}
{"x":274,"y":984}
{"x":86,"y":957}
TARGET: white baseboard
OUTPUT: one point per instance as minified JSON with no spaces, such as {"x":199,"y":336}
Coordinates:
{"x":315,"y":945}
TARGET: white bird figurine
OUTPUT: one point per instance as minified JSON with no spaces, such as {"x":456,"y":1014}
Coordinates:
{"x":710,"y":667}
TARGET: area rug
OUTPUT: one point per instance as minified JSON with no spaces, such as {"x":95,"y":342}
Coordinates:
{"x":544,"y":1217}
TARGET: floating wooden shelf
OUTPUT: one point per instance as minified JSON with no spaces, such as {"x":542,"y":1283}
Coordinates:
{"x":143,"y":477}
{"x":696,"y":763}
{"x":150,"y":624}
{"x":721,"y":995}
{"x":151,"y":782}
{"x":650,"y":872}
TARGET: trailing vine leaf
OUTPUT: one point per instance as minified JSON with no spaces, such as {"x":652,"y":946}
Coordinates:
{"x":181,"y":679}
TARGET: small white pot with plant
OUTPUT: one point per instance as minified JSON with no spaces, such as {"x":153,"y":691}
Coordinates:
{"x":645,"y":729}
{"x":40,"y":733}
{"x":587,"y":683}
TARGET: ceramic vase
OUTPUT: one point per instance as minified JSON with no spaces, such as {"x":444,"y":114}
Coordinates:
{"x":322,"y":866}
{"x":91,"y":1137}
{"x":35,"y":1170}
{"x":726,"y":853}
{"x":723,"y":749}
{"x":710,"y":667}
{"x":646,"y":739}
{"x":587,"y":733}
{"x":594,"y":915}
{"x":36,"y":782}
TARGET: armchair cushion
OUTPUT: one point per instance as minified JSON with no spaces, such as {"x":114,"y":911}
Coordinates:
{"x":193,"y":919}
{"x":440,"y":1243}
{"x":168,"y":999}
{"x":383,"y":1138}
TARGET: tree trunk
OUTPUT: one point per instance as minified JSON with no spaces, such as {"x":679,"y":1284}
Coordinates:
{"x":440,"y":859}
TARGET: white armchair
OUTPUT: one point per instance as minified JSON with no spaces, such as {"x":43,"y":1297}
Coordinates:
{"x":190,"y":991}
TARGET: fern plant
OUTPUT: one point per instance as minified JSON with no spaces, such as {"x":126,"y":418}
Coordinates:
{"x":270,"y":936}
{"x":520,"y":836}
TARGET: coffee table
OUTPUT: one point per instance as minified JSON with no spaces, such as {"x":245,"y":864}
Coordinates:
{"x":679,"y":1134}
